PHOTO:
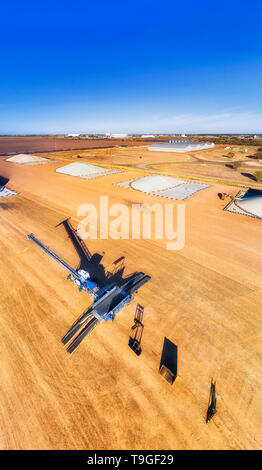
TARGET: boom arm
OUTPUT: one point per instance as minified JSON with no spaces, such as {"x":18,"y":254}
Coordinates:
{"x":81,"y":280}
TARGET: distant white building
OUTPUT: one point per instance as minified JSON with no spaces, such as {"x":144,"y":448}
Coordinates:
{"x":180,"y":146}
{"x":72,"y":135}
{"x":118,"y":136}
{"x":146,"y":136}
{"x":183,"y":135}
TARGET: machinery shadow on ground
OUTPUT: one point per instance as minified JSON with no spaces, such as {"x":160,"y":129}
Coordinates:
{"x":168,"y":362}
{"x":92,"y":263}
{"x":211,"y":410}
{"x":137,"y":331}
{"x":3,"y":181}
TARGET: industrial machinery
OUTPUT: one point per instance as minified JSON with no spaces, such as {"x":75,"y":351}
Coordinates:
{"x":224,"y":196}
{"x":79,"y":277}
{"x":108,"y":299}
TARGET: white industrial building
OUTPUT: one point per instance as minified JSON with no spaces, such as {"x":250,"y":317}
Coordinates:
{"x":181,"y":146}
{"x":118,"y":136}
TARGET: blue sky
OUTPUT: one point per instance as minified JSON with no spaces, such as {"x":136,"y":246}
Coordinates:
{"x":140,"y":66}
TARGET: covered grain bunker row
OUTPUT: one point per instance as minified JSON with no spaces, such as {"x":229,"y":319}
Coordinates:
{"x":181,"y":146}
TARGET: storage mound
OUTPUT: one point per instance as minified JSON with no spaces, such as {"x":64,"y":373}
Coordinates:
{"x":247,"y":203}
{"x":164,"y":186}
{"x":86,"y":171}
{"x":24,"y":159}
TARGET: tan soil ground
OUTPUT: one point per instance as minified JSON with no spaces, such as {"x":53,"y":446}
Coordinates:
{"x":242,"y":175}
{"x":205,"y":298}
{"x":39,"y":143}
{"x":119,"y":155}
{"x":140,"y":155}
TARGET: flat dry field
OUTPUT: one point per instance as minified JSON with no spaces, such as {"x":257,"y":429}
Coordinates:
{"x":25,"y":144}
{"x":210,"y":165}
{"x":243,"y":175}
{"x":133,"y":155}
{"x":206,"y":298}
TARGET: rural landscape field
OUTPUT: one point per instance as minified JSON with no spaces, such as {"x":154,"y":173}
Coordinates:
{"x":130,"y":233}
{"x":205,"y":298}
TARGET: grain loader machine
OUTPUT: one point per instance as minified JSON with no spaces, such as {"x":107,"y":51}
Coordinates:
{"x":108,"y":300}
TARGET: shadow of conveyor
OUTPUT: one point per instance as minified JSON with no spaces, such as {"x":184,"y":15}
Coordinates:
{"x":92,"y":263}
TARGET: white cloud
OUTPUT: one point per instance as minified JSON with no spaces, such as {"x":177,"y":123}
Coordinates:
{"x":224,"y":122}
{"x":233,"y":121}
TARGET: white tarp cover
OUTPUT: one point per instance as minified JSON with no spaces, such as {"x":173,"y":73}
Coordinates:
{"x":84,"y":170}
{"x":4,"y":192}
{"x":247,"y":203}
{"x":25,"y":159}
{"x":250,"y":202}
{"x":253,"y":205}
{"x":164,"y":186}
{"x":155,"y":183}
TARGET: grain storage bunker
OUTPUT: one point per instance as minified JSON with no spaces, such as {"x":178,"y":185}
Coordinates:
{"x":247,"y":203}
{"x":181,"y":146}
{"x":163,"y":186}
{"x":85,"y":170}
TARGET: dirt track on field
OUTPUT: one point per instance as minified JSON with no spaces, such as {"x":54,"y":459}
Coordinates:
{"x":205,"y":298}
